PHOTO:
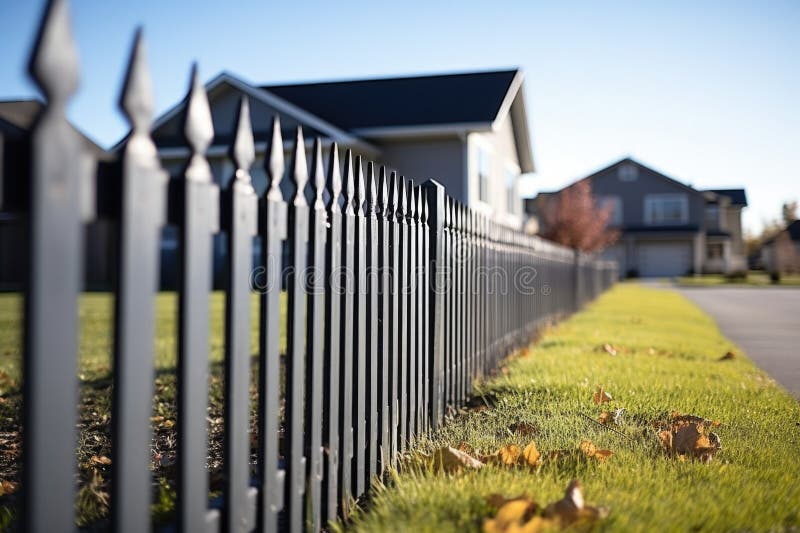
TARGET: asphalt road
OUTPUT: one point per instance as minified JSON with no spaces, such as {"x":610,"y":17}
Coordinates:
{"x":764,"y":322}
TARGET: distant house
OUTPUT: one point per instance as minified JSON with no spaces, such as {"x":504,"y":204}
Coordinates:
{"x":781,"y":253}
{"x":17,"y":118}
{"x":468,"y":131}
{"x":667,"y":228}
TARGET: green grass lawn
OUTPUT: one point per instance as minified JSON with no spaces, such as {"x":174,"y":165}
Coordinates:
{"x":96,"y":311}
{"x":753,"y":278}
{"x":667,"y":360}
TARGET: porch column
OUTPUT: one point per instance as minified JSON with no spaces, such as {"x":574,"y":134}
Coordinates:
{"x":699,"y":243}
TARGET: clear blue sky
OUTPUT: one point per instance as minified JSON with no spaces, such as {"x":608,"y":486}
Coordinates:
{"x":707,"y":92}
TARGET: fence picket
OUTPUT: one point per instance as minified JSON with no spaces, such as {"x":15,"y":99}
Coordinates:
{"x":296,"y":339}
{"x":198,"y":221}
{"x":360,"y":333}
{"x":315,"y":341}
{"x":240,"y":222}
{"x":273,"y":232}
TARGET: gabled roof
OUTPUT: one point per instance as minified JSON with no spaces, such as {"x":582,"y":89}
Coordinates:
{"x":688,"y":188}
{"x":414,"y":106}
{"x":474,"y":97}
{"x":737,"y":196}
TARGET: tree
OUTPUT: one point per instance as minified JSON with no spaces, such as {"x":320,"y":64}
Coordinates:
{"x":789,"y":212}
{"x":574,"y":218}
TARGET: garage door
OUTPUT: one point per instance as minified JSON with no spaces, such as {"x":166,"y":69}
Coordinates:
{"x":660,"y":259}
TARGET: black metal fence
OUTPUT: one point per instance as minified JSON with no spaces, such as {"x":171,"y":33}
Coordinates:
{"x":398,"y":299}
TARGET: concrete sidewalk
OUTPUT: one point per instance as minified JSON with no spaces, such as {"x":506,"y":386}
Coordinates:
{"x":765,"y":322}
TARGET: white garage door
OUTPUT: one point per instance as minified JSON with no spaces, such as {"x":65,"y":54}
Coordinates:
{"x":661,"y":259}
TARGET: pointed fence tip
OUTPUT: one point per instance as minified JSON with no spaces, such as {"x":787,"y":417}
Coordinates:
{"x":299,"y":167}
{"x":334,"y":178}
{"x":243,"y":151}
{"x":198,"y":127}
{"x":136,"y":99}
{"x":53,"y":64}
{"x":273,"y":161}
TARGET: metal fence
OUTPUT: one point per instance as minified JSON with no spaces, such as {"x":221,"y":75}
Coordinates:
{"x":398,"y":299}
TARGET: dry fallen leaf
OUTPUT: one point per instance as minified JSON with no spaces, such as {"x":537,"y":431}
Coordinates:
{"x":525,"y":429}
{"x":605,"y":417}
{"x":100,"y":460}
{"x":7,"y":487}
{"x":450,"y":459}
{"x":572,"y":508}
{"x":609,"y":349}
{"x":512,"y":514}
{"x":601,"y":396}
{"x":508,"y":454}
{"x":728,"y":356}
{"x":531,"y":455}
{"x":688,"y":435}
{"x":589,"y":449}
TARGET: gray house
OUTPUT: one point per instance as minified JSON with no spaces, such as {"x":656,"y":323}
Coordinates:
{"x":667,"y":228}
{"x":469,"y":131}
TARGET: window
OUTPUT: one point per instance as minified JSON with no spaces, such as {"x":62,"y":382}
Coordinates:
{"x":614,"y":203}
{"x":712,"y":217}
{"x":714,"y":250}
{"x":511,"y":191}
{"x":484,"y":169}
{"x":628,"y":172}
{"x":666,"y":209}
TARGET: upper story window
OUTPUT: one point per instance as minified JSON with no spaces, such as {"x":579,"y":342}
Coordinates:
{"x":614,"y":203}
{"x":484,"y":171}
{"x":666,"y":209}
{"x":511,"y":191}
{"x":628,"y":172}
{"x":712,"y":217}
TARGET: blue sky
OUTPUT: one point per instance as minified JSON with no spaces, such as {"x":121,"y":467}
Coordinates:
{"x":706,"y":92}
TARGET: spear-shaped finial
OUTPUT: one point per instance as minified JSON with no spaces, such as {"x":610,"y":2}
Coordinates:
{"x":243,"y":150}
{"x":334,"y":178}
{"x":273,"y":161}
{"x":383,"y":192}
{"x":54,"y":61}
{"x":424,"y":203}
{"x":372,"y":190}
{"x":198,"y":129}
{"x":402,"y":194}
{"x":411,"y":190}
{"x":318,"y":176}
{"x":349,"y":183}
{"x":361,"y":188}
{"x":394,"y":197}
{"x":136,"y":100}
{"x":420,"y":194}
{"x":299,"y":168}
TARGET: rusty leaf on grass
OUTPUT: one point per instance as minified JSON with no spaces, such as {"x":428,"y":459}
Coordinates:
{"x":589,"y":449}
{"x":689,"y":436}
{"x":572,"y":509}
{"x":522,"y":514}
{"x":601,"y":396}
{"x":508,"y":455}
{"x":100,"y":460}
{"x":605,"y":418}
{"x":526,"y":429}
{"x":7,"y":487}
{"x":728,"y":356}
{"x":449,"y":459}
{"x":531,"y":454}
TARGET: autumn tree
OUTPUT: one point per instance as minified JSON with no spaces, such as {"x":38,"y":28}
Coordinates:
{"x":576,"y":219}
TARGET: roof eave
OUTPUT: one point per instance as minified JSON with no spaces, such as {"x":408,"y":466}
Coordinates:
{"x":514,"y":104}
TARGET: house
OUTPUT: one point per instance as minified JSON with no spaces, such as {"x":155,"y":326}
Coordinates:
{"x":17,"y":118}
{"x":469,"y":131}
{"x":781,"y":253}
{"x":667,"y":228}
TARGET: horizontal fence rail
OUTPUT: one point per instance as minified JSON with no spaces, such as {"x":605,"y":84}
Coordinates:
{"x":397,"y":299}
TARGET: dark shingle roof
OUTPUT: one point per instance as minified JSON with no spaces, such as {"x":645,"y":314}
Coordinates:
{"x":737,"y":196}
{"x":410,"y":101}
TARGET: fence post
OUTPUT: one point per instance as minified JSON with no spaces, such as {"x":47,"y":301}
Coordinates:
{"x":434,"y":197}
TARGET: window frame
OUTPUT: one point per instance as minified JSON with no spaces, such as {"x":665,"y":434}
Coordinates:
{"x":482,"y":155}
{"x":651,"y":201}
{"x":617,"y":214}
